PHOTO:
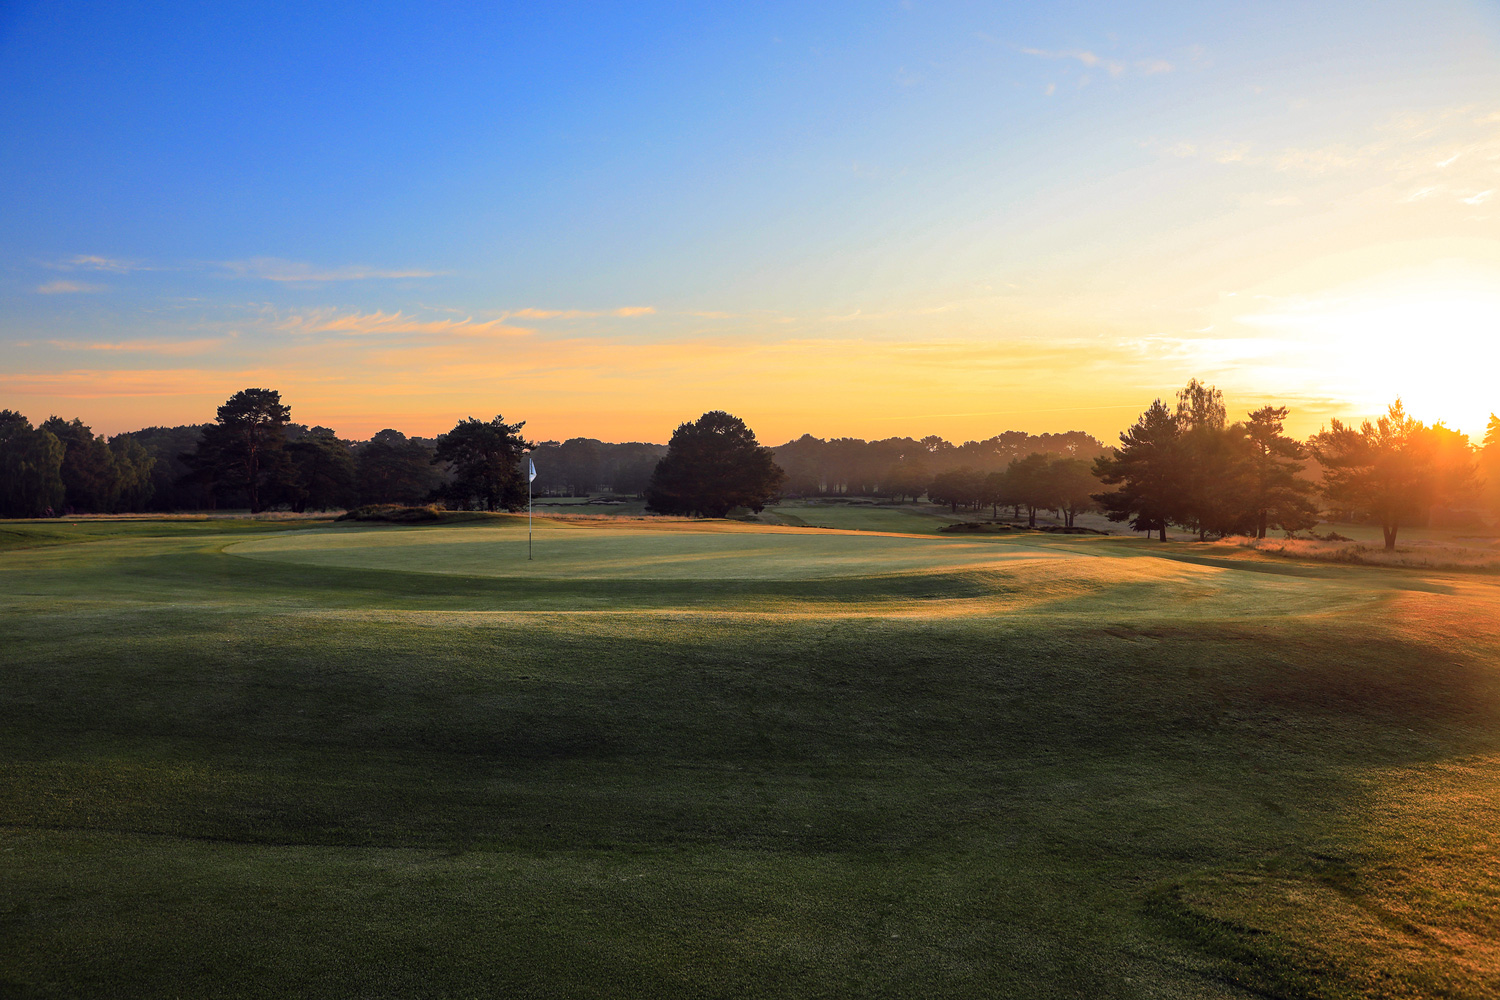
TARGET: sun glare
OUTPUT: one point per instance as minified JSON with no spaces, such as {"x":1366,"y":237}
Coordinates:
{"x":1433,"y":342}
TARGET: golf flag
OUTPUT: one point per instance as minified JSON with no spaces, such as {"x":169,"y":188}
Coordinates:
{"x":531,"y":469}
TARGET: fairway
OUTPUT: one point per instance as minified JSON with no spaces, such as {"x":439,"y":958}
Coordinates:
{"x":715,"y":759}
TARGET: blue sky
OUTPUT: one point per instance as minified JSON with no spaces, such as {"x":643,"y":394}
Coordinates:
{"x":860,"y":219}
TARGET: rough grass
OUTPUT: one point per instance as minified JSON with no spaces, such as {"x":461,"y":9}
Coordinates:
{"x":1414,"y":555}
{"x":345,"y":762}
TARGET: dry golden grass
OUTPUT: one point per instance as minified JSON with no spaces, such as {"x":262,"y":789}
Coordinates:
{"x":1417,"y":555}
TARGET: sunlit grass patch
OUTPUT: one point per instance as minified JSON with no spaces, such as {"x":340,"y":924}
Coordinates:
{"x":1413,"y":555}
{"x":1405,"y":904}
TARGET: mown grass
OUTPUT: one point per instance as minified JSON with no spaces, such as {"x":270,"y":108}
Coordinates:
{"x":379,"y":761}
{"x":917,"y":519}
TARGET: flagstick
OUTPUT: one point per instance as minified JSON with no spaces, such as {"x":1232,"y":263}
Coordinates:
{"x":528,"y":518}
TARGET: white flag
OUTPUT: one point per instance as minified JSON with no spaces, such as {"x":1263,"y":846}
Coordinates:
{"x":532,"y":467}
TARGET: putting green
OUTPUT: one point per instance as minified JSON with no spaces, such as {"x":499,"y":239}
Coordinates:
{"x":1115,"y":578}
{"x":605,"y":553}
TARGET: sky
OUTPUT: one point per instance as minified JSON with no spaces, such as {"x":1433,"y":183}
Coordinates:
{"x":864,"y":219}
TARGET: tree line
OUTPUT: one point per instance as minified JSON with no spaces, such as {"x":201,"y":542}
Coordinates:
{"x":1184,"y":466}
{"x":1189,"y":467}
{"x":252,"y":456}
{"x":905,"y":467}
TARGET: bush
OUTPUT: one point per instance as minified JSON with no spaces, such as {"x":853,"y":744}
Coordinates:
{"x":393,"y":513}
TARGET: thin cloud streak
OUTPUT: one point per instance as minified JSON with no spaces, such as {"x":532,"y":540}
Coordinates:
{"x":623,"y":311}
{"x":93,"y":262}
{"x":1092,"y":60}
{"x":68,"y":288}
{"x":380,"y":324}
{"x":168,"y":348}
{"x":297,"y":272}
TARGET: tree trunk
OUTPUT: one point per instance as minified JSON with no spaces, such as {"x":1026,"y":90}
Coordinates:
{"x":1161,"y":532}
{"x":1031,"y":517}
{"x":1260,"y":526}
{"x":1390,"y":536}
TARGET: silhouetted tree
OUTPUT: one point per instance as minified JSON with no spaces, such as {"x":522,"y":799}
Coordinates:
{"x":850,"y":465}
{"x":392,"y":468}
{"x":907,"y":479}
{"x":174,"y":485}
{"x":994,"y":493}
{"x":485,"y":459}
{"x":803,"y":460}
{"x":133,"y":466}
{"x":244,"y":449}
{"x":322,"y":472}
{"x":1146,"y":468}
{"x":30,"y":468}
{"x":1392,"y":469}
{"x":1071,"y":487}
{"x":1029,"y":484}
{"x":1273,"y":493}
{"x":713,"y":465}
{"x":578,"y":466}
{"x":633,"y":466}
{"x":88,"y":469}
{"x":1206,"y":499}
{"x":957,"y":488}
{"x":1489,"y":464}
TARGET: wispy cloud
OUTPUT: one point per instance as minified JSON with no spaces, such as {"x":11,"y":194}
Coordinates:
{"x":293,"y":272}
{"x":1089,"y":59}
{"x":112,"y":383}
{"x":169,"y":348}
{"x":624,"y":311}
{"x":1449,"y":156}
{"x":93,"y":262}
{"x":381,"y":323}
{"x":1114,"y":67}
{"x":67,"y":287}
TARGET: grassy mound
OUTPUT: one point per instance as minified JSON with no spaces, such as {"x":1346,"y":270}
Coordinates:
{"x":393,"y":513}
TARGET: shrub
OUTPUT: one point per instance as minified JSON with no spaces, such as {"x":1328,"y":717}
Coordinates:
{"x":393,"y":513}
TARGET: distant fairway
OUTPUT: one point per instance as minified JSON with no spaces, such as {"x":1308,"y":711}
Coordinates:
{"x":713,"y":759}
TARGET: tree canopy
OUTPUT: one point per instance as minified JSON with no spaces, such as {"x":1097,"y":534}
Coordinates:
{"x":31,"y":462}
{"x":713,"y":465}
{"x":1270,"y":486}
{"x":1391,"y":469}
{"x":392,"y":468}
{"x":1145,"y":467}
{"x":244,"y":449}
{"x":485,"y":460}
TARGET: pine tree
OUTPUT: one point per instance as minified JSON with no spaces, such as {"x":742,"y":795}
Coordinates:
{"x":1146,"y":467}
